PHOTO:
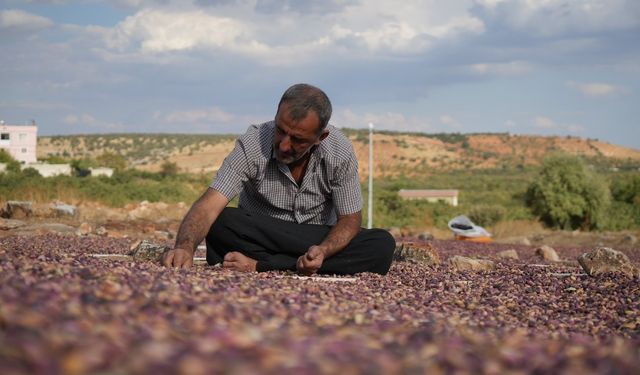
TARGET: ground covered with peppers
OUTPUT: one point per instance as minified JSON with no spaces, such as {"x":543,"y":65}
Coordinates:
{"x":64,"y":311}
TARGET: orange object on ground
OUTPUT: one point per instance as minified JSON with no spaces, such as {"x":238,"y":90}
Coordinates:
{"x":483,"y":239}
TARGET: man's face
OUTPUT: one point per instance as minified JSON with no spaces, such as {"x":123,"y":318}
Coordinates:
{"x":294,"y":139}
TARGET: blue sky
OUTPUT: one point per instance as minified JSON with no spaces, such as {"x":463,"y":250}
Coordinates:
{"x":548,"y":67}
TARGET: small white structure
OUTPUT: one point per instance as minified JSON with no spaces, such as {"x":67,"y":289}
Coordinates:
{"x":449,"y":196}
{"x":101,"y":171}
{"x":50,"y":170}
{"x":20,"y":141}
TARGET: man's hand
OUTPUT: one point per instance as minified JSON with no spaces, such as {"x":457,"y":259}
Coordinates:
{"x":179,"y":258}
{"x":310,"y":263}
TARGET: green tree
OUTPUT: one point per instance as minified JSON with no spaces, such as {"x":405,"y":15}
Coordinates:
{"x":81,"y":166}
{"x":568,"y":195}
{"x":112,"y":160}
{"x":168,"y":169}
{"x":627,"y":190}
{"x":5,"y":157}
{"x":12,"y":164}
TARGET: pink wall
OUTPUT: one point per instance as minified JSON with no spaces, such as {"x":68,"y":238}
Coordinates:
{"x":21,"y":142}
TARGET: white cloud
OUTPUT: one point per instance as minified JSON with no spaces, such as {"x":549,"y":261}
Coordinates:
{"x":80,"y":119}
{"x":212,"y":115}
{"x":544,"y":122}
{"x":596,"y":89}
{"x":574,"y":128}
{"x":450,"y":122}
{"x":21,"y":20}
{"x":512,"y":68}
{"x":164,"y":31}
{"x":382,"y":120}
{"x":84,"y":121}
{"x":555,"y":17}
{"x":289,"y":37}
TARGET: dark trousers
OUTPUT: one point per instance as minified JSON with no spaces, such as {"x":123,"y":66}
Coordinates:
{"x":277,"y":244}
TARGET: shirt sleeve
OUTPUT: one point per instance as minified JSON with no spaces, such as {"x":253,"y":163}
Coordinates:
{"x":235,"y":169}
{"x":346,"y":193}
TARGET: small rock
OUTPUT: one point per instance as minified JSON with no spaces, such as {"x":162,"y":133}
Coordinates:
{"x":607,"y":260}
{"x":630,"y":239}
{"x":44,"y":228}
{"x":508,"y":254}
{"x":147,"y":250}
{"x":8,"y":224}
{"x":425,"y":236}
{"x":547,"y":253}
{"x":61,"y":210}
{"x":420,"y":253}
{"x":525,"y":241}
{"x":84,"y":229}
{"x":460,"y":263}
{"x":102,"y":231}
{"x":17,"y":210}
{"x":162,"y":234}
{"x":395,"y":232}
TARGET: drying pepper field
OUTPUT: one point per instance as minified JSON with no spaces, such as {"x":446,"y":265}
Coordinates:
{"x":64,"y":311}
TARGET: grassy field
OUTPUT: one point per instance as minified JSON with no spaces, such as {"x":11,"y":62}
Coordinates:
{"x":488,"y":197}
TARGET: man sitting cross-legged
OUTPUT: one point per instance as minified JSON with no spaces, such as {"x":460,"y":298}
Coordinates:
{"x":300,"y":201}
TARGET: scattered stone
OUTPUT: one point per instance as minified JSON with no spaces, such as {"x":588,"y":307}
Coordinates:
{"x":547,"y":253}
{"x":134,"y":245}
{"x":630,"y":239}
{"x":508,"y":254}
{"x":162,"y":234}
{"x":45,"y":228}
{"x":525,"y":241}
{"x":607,"y":260}
{"x":8,"y":224}
{"x":460,"y":263}
{"x":395,"y":232}
{"x":84,"y":229}
{"x":537,"y":237}
{"x":61,"y":210}
{"x":406,"y":251}
{"x":147,"y":250}
{"x":17,"y":210}
{"x":425,"y":236}
{"x":102,"y":231}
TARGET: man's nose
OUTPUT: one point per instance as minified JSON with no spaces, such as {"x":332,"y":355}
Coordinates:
{"x":285,"y":143}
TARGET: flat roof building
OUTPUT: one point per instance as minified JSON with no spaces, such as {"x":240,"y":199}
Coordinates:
{"x":449,"y":196}
{"x":20,"y":141}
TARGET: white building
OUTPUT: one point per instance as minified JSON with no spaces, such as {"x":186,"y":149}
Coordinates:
{"x":50,"y":170}
{"x":449,"y":196}
{"x":20,"y":141}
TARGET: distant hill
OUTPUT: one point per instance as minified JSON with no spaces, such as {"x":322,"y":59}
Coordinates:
{"x":395,"y":153}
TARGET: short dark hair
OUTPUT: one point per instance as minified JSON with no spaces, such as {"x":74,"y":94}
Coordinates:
{"x":303,"y":97}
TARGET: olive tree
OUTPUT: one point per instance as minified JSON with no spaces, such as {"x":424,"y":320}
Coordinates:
{"x":567,"y":195}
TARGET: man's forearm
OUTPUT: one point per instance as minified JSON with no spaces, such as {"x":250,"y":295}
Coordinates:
{"x":198,"y":220}
{"x":342,"y":233}
{"x":191,"y":231}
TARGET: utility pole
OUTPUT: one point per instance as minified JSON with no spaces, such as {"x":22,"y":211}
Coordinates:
{"x":370,"y":205}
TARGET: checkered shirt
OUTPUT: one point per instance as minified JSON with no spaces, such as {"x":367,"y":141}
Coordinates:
{"x":330,"y":186}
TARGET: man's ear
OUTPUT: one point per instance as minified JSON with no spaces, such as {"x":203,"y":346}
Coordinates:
{"x":324,"y":135}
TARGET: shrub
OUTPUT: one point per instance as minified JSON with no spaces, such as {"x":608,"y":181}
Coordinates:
{"x":112,"y":160}
{"x":486,"y":215}
{"x":627,"y":190}
{"x":567,"y":195}
{"x":168,"y":169}
{"x":5,"y":157}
